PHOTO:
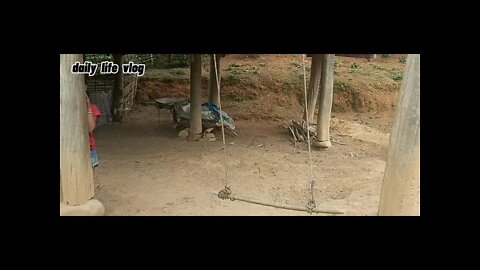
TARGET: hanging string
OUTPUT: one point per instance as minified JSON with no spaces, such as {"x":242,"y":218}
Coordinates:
{"x":312,"y":181}
{"x":221,"y":118}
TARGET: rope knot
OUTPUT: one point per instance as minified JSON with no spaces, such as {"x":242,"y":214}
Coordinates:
{"x":311,"y":205}
{"x":225,"y":193}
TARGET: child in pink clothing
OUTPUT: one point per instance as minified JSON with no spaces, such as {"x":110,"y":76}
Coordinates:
{"x":93,"y":115}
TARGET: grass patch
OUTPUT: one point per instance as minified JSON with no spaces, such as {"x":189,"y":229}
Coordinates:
{"x":398,"y":76}
{"x":340,"y":86}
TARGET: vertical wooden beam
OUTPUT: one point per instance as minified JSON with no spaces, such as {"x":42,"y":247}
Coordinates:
{"x":76,"y":173}
{"x":117,"y":95}
{"x":325,"y":99}
{"x":195,"y":98}
{"x":313,"y":87}
{"x":213,"y":95}
{"x":400,"y":195}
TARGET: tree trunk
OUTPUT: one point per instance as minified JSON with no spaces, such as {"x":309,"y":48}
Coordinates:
{"x":325,"y":99}
{"x":400,"y":195}
{"x":76,"y":175}
{"x":117,"y":95}
{"x":196,"y":98}
{"x":213,"y":96}
{"x":315,"y":75}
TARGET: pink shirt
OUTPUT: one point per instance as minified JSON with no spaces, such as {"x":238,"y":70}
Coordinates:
{"x":96,"y":114}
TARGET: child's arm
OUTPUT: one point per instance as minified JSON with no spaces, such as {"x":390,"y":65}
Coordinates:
{"x":91,"y":121}
{"x":90,"y":117}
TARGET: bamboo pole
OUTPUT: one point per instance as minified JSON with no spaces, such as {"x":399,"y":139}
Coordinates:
{"x":287,"y":207}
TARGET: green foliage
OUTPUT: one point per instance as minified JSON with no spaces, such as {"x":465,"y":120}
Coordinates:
{"x":98,"y":58}
{"x":179,"y":61}
{"x":398,"y":76}
{"x":296,"y":63}
{"x":340,"y":86}
{"x":379,"y":67}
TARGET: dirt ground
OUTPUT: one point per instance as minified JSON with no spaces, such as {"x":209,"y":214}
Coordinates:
{"x":147,"y":170}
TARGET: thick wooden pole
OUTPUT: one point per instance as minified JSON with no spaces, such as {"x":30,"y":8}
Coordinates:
{"x":313,"y":87}
{"x":195,"y":98}
{"x":400,"y":195}
{"x":117,"y":95}
{"x":325,"y":99}
{"x":213,"y":95}
{"x":76,"y":173}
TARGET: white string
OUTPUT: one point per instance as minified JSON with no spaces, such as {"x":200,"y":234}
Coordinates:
{"x":221,"y":118}
{"x":306,"y":113}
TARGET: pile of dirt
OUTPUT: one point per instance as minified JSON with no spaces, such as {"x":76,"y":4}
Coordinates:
{"x":151,"y":89}
{"x":154,"y":89}
{"x":271,"y":86}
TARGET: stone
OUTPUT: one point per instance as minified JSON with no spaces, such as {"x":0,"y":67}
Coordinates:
{"x":183,"y":133}
{"x":324,"y":144}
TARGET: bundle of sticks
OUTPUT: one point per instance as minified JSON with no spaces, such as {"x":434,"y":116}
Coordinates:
{"x":299,"y":129}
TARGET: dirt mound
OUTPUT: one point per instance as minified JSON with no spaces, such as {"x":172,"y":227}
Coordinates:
{"x":151,"y":89}
{"x":364,"y":100}
{"x":154,"y":89}
{"x":271,"y":86}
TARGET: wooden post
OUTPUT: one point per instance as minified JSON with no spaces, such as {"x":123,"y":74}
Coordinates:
{"x":76,"y":175}
{"x":195,"y":98}
{"x":117,"y":95}
{"x":325,"y":99}
{"x":213,"y":95}
{"x":313,"y":86}
{"x":400,"y":195}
